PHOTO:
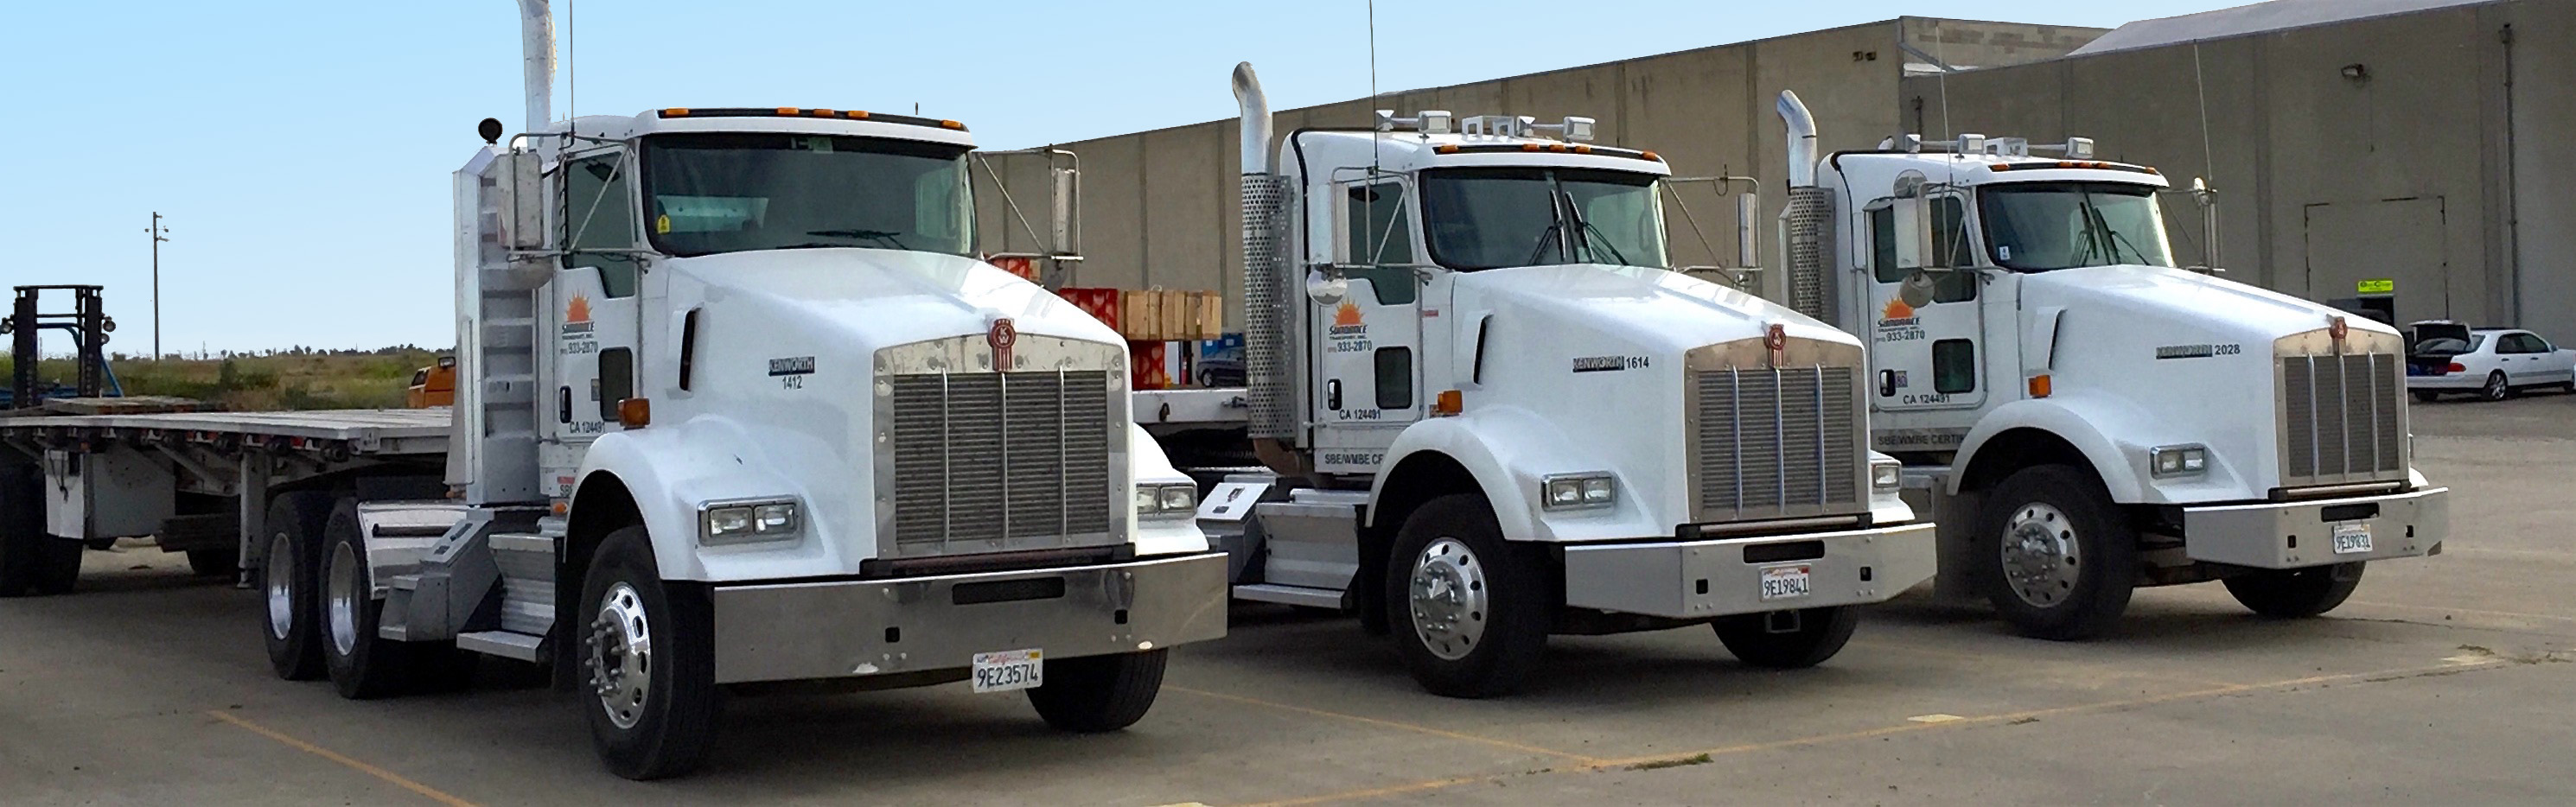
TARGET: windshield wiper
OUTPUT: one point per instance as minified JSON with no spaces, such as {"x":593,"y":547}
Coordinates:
{"x":1584,"y":231}
{"x":880,"y":236}
{"x":1545,"y":239}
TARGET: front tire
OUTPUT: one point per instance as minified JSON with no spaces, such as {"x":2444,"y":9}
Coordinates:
{"x":2497,"y":388}
{"x":1469,"y":610}
{"x":290,"y":583}
{"x":1820,"y":634}
{"x":1099,"y":693}
{"x":2055,"y":555}
{"x":649,"y":649}
{"x":2295,"y":593}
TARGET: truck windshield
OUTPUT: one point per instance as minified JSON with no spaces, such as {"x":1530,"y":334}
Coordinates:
{"x":735,"y":192}
{"x":2042,"y":226}
{"x":1484,"y":218}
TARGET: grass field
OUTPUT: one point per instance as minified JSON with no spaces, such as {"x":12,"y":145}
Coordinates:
{"x":265,"y":383}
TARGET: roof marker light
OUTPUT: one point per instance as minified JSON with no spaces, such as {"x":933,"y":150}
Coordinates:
{"x":2079,"y":148}
{"x":788,"y":110}
{"x":857,"y":114}
{"x":676,"y":112}
{"x":950,"y":124}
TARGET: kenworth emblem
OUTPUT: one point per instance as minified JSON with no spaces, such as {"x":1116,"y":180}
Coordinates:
{"x":1002,"y":337}
{"x":1777,"y":340}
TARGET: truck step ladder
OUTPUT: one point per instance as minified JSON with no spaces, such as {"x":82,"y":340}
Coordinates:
{"x":1290,"y":595}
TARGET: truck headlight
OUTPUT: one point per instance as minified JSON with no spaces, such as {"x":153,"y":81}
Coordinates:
{"x":1885,"y":476}
{"x":743,"y":521}
{"x":1166,"y":501}
{"x":1578,"y":491}
{"x":2184,"y":460}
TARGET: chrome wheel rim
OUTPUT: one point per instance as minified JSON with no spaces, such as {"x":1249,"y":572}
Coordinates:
{"x":1449,"y":598}
{"x":2040,"y":557}
{"x":621,"y":655}
{"x":342,"y":600}
{"x":279,"y":566}
{"x":2495,"y":386}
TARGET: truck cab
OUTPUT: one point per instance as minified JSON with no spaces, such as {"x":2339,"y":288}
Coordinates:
{"x":2083,"y":414}
{"x":1493,"y":411}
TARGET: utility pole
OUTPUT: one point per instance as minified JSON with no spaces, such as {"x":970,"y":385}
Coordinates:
{"x":159,"y":234}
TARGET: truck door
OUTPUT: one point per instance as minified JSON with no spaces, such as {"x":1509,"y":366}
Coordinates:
{"x":593,"y":308}
{"x":1926,"y":356}
{"x":1368,"y":366}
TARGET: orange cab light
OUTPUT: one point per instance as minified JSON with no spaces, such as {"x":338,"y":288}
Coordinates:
{"x":1445,"y":148}
{"x":676,"y":112}
{"x":1582,"y":149}
{"x":635,"y":413}
{"x":1529,"y":146}
{"x":2152,"y":170}
{"x":562,"y":506}
{"x":823,"y":113}
{"x":789,"y":110}
{"x":1450,"y":402}
{"x":1557,"y":147}
{"x":857,"y":114}
{"x":1651,"y":156}
{"x":1999,"y":167}
{"x":2039,"y":386}
{"x":950,"y":124}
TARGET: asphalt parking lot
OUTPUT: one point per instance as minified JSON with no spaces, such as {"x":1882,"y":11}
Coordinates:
{"x":2444,"y":680}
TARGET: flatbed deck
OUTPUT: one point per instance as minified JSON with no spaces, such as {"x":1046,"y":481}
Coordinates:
{"x":367,"y":431}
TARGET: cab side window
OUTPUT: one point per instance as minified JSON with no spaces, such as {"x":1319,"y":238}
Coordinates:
{"x":598,"y":214}
{"x":1380,"y":232}
{"x":1950,"y":249}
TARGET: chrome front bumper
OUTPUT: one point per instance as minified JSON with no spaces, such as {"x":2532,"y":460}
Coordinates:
{"x":2296,"y":535}
{"x":1721,"y":577}
{"x":874,"y":627}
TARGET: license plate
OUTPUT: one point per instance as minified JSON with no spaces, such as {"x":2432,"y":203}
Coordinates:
{"x":1009,"y":670}
{"x":2351,"y":538}
{"x":1784,"y":582}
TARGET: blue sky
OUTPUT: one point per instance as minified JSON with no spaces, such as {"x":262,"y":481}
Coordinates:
{"x":301,"y":150}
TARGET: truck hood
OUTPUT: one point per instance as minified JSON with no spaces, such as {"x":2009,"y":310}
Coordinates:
{"x":875,"y":298}
{"x":2192,"y":303}
{"x":1650,"y":310}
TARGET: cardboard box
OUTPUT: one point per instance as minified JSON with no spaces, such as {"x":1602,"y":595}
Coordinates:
{"x":1209,"y":322}
{"x":1141,"y":316}
{"x":1179,"y":309}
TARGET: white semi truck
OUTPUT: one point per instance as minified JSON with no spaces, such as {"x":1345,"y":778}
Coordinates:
{"x":736,"y":404}
{"x":2081,"y":416}
{"x":1488,"y":412}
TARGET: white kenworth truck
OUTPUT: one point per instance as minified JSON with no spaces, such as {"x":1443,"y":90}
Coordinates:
{"x":736,"y":404}
{"x":1489,"y":413}
{"x":2081,"y":416}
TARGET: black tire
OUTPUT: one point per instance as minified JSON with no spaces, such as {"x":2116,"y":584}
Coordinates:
{"x":290,"y":583}
{"x":2496,"y":389}
{"x":1821,"y":633}
{"x":2060,"y":507}
{"x":1485,"y":651}
{"x":670,"y":725}
{"x":212,"y":562}
{"x":1099,"y":693}
{"x":2295,"y":593}
{"x":31,"y":560}
{"x":2427,"y":396}
{"x":362,"y":665}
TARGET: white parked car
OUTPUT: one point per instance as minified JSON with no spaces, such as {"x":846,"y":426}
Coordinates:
{"x":2491,"y":362}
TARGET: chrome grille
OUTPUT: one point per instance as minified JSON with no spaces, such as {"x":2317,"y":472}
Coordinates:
{"x":2342,"y":418}
{"x":1000,"y":460}
{"x":1776,"y":442}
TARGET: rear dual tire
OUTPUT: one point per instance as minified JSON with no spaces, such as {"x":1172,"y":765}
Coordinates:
{"x":31,"y":560}
{"x":361,"y":664}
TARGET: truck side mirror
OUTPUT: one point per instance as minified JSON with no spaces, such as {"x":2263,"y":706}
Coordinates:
{"x":519,"y":199}
{"x":1747,"y":207}
{"x":1913,"y":233}
{"x":1326,"y":287}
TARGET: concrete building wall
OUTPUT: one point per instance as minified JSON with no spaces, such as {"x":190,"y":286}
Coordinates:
{"x":1159,"y":208}
{"x":2411,"y":172}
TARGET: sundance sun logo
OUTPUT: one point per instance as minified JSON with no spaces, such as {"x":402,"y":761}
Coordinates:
{"x":1347,"y":321}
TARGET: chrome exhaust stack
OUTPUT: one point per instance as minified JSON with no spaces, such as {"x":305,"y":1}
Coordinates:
{"x":1807,"y":223}
{"x":537,"y":55}
{"x":1269,"y":295}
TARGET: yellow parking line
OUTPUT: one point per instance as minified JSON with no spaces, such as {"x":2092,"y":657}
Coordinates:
{"x":1531,"y":749}
{"x":431,"y":793}
{"x":1901,"y":728}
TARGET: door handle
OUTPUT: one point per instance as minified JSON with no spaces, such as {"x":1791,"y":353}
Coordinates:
{"x":1887,"y":383}
{"x":563,"y":404}
{"x":1333,"y":394}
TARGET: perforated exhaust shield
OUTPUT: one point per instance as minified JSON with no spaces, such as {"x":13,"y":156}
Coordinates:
{"x":1269,"y":374}
{"x":1809,"y":243}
